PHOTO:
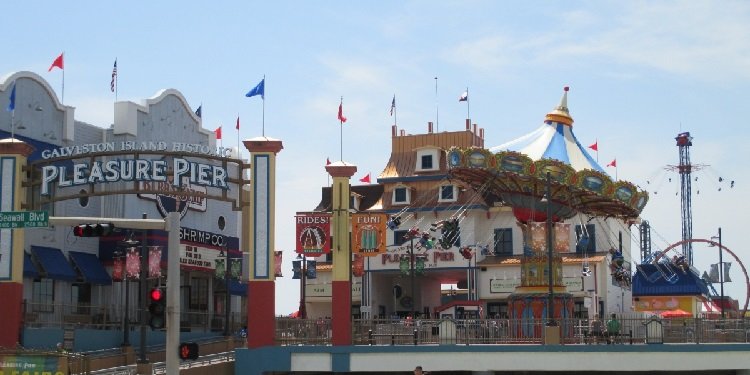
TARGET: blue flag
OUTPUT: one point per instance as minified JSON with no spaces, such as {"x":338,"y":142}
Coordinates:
{"x":199,"y":111}
{"x":12,"y":103}
{"x":258,"y":90}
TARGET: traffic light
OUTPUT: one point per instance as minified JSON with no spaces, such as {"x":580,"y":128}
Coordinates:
{"x":188,"y":350}
{"x":93,"y":230}
{"x":157,"y":308}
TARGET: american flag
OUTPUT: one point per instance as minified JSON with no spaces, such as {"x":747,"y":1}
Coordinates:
{"x":114,"y":77}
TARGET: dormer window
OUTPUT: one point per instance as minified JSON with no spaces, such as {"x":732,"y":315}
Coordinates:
{"x":448,"y":193}
{"x":354,"y":201}
{"x":401,"y":195}
{"x":427,"y":160}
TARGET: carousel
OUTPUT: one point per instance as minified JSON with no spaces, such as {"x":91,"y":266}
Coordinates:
{"x":547,"y":177}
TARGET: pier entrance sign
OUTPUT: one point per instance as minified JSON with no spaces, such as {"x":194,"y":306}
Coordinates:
{"x":24,"y":219}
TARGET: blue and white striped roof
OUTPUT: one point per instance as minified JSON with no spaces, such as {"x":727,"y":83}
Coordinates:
{"x":554,"y":140}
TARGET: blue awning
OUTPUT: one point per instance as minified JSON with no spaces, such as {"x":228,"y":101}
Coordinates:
{"x":90,"y":267}
{"x":53,"y":262}
{"x":29,"y":269}
{"x":666,"y":280}
{"x":237,"y":288}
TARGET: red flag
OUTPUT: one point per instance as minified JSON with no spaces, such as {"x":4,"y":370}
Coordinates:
{"x":57,"y":63}
{"x":595,"y":146}
{"x":328,"y":161}
{"x":341,"y":113}
{"x":218,"y":132}
{"x":238,"y":123}
{"x":365,"y":179}
{"x":613,"y":163}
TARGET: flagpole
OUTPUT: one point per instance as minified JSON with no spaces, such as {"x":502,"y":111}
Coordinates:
{"x":597,"y":150}
{"x":13,"y":121}
{"x":395,"y":111}
{"x":263,"y":124}
{"x":62,"y":100}
{"x":341,"y":132}
{"x":238,"y":136}
{"x":468,"y":99}
{"x":437,"y":108}
{"x":117,"y":82}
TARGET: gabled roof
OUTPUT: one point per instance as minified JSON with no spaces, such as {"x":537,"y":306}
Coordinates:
{"x":370,"y":196}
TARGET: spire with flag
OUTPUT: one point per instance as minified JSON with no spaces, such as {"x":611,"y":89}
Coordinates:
{"x":613,"y":163}
{"x":342,"y":120}
{"x":113,"y":83}
{"x":595,"y":147}
{"x":60,"y":63}
{"x":393,"y":109}
{"x":465,"y":98}
{"x":12,"y":99}
{"x":12,"y":109}
{"x":365,"y":179}
{"x":259,"y":89}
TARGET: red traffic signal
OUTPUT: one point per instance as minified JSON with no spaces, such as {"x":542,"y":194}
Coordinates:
{"x":93,"y":230}
{"x":157,"y":308}
{"x":188,"y":350}
{"x":156,"y":295}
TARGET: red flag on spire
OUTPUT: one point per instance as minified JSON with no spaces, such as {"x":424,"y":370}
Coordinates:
{"x":57,"y":63}
{"x":595,"y":146}
{"x":328,"y":161}
{"x":365,"y":179}
{"x":613,"y":163}
{"x":218,"y":132}
{"x":341,"y":113}
{"x":238,"y":123}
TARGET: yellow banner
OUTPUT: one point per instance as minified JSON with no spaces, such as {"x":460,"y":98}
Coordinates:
{"x":369,"y":234}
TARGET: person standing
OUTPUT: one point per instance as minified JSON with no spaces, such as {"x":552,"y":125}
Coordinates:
{"x":596,"y":329}
{"x":418,"y":371}
{"x":613,"y":329}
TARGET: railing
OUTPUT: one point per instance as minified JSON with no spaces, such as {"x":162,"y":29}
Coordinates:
{"x":507,"y":331}
{"x":38,"y":315}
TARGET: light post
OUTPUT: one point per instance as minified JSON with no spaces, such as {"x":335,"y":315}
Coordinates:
{"x":129,"y":243}
{"x":551,"y":291}
{"x":303,"y":269}
{"x":411,"y":275}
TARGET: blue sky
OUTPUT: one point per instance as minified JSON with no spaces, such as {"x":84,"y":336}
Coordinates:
{"x":640,"y":72}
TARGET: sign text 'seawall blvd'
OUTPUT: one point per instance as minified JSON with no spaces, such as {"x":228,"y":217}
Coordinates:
{"x":23,"y":219}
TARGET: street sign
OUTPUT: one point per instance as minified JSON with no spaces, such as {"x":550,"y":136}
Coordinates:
{"x":24,"y":219}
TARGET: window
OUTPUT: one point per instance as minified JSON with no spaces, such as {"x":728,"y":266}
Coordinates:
{"x":399,"y":237}
{"x":584,"y":245}
{"x":579,"y":311}
{"x":497,"y":310}
{"x":427,"y":160}
{"x":503,"y":241}
{"x":198,"y":294}
{"x":400,"y":195}
{"x":43,"y":295}
{"x":447,"y":193}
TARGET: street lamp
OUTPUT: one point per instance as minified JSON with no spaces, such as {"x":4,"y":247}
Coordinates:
{"x":551,"y":291}
{"x":303,"y":270}
{"x":128,"y":243}
{"x":721,"y":274}
{"x":227,"y":305}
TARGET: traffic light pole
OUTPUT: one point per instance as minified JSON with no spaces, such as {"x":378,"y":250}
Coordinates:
{"x":143,"y":301}
{"x":172,"y":225}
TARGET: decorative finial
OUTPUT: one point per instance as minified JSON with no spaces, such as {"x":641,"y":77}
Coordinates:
{"x":560,"y":114}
